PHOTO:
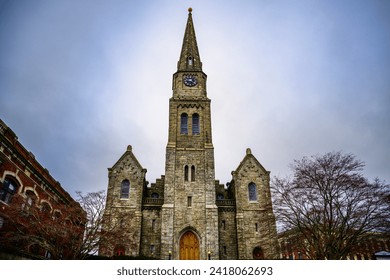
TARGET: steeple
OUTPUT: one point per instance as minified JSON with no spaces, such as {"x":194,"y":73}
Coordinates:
{"x":189,"y":56}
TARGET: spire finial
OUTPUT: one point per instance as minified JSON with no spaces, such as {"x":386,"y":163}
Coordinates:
{"x":189,"y":56}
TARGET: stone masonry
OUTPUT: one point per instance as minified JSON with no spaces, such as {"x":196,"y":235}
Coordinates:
{"x":187,"y":214}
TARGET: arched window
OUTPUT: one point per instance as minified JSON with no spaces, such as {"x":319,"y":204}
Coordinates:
{"x":152,"y":249}
{"x":8,"y":190}
{"x":45,"y":207}
{"x":184,"y":124}
{"x":193,"y":173}
{"x":154,"y":195}
{"x":125,"y":189}
{"x":252,"y":192}
{"x":186,"y":173}
{"x":31,"y":200}
{"x":195,"y":124}
{"x":56,"y":215}
{"x":119,"y":251}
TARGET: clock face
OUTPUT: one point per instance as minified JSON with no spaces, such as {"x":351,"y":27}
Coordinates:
{"x":190,"y":80}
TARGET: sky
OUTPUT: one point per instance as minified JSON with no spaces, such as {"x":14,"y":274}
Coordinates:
{"x":81,"y":80}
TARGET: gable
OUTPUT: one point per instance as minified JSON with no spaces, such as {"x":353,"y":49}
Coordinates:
{"x":128,"y":164}
{"x":250,"y":164}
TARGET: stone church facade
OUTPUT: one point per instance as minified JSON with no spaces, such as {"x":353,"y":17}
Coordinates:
{"x":187,"y":213}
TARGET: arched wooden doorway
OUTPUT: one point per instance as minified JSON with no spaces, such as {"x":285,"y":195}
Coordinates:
{"x":189,"y":246}
{"x":119,"y":250}
{"x":258,"y":253}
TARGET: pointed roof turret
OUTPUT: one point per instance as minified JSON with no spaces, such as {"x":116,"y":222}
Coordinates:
{"x":189,"y":56}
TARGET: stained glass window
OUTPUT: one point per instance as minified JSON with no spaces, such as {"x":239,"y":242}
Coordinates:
{"x":252,"y":192}
{"x":195,"y":124}
{"x":125,"y":189}
{"x":184,"y":124}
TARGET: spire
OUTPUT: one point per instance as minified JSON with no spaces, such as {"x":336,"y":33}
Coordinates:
{"x":189,"y":56}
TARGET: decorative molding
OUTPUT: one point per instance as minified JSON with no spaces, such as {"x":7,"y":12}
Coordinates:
{"x":190,"y":105}
{"x":226,"y":209}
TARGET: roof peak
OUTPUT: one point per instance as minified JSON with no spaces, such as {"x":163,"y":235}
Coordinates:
{"x":189,"y":56}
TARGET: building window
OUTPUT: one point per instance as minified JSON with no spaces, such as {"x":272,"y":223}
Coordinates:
{"x":193,"y":173}
{"x":186,"y":173}
{"x":56,"y":215}
{"x":31,"y":199}
{"x":152,"y":249}
{"x":224,"y":250}
{"x":45,"y":208}
{"x":195,"y":124}
{"x":47,"y":255}
{"x":252,"y":192}
{"x":155,"y":195}
{"x":223,"y":225}
{"x":184,"y":124}
{"x":189,"y":201}
{"x":257,"y":227}
{"x":125,"y":189}
{"x":8,"y":190}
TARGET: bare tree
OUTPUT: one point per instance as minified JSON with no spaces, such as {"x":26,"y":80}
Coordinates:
{"x":66,"y":232}
{"x":329,"y":205}
{"x":100,"y":229}
{"x":36,"y":231}
{"x":93,"y":204}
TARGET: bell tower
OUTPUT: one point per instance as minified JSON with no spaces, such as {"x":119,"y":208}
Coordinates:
{"x":189,"y":227}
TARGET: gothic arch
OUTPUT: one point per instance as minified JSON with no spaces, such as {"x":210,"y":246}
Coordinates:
{"x":252,"y":191}
{"x":258,"y":253}
{"x":195,"y":124}
{"x":184,"y":123}
{"x":125,"y":189}
{"x":189,"y":246}
{"x":186,"y":173}
{"x":119,"y":250}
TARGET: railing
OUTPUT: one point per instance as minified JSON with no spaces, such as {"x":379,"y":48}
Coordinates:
{"x":160,"y":201}
{"x":153,"y":201}
{"x":226,"y":202}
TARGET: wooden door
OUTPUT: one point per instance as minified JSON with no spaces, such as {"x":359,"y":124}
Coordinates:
{"x":189,"y":246}
{"x":258,"y":253}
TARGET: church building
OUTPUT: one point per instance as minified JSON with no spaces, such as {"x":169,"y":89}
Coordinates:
{"x":187,"y":213}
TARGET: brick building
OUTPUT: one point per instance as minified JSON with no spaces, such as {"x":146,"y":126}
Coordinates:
{"x":33,"y":206}
{"x":187,"y":213}
{"x":368,"y":248}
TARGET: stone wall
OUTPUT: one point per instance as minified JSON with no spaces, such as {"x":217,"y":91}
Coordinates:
{"x":255,"y":220}
{"x":123,"y":215}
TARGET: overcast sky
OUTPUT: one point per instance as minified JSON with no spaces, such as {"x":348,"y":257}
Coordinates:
{"x":81,"y":80}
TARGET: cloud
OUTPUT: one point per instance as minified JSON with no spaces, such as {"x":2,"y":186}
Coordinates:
{"x":79,"y":81}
